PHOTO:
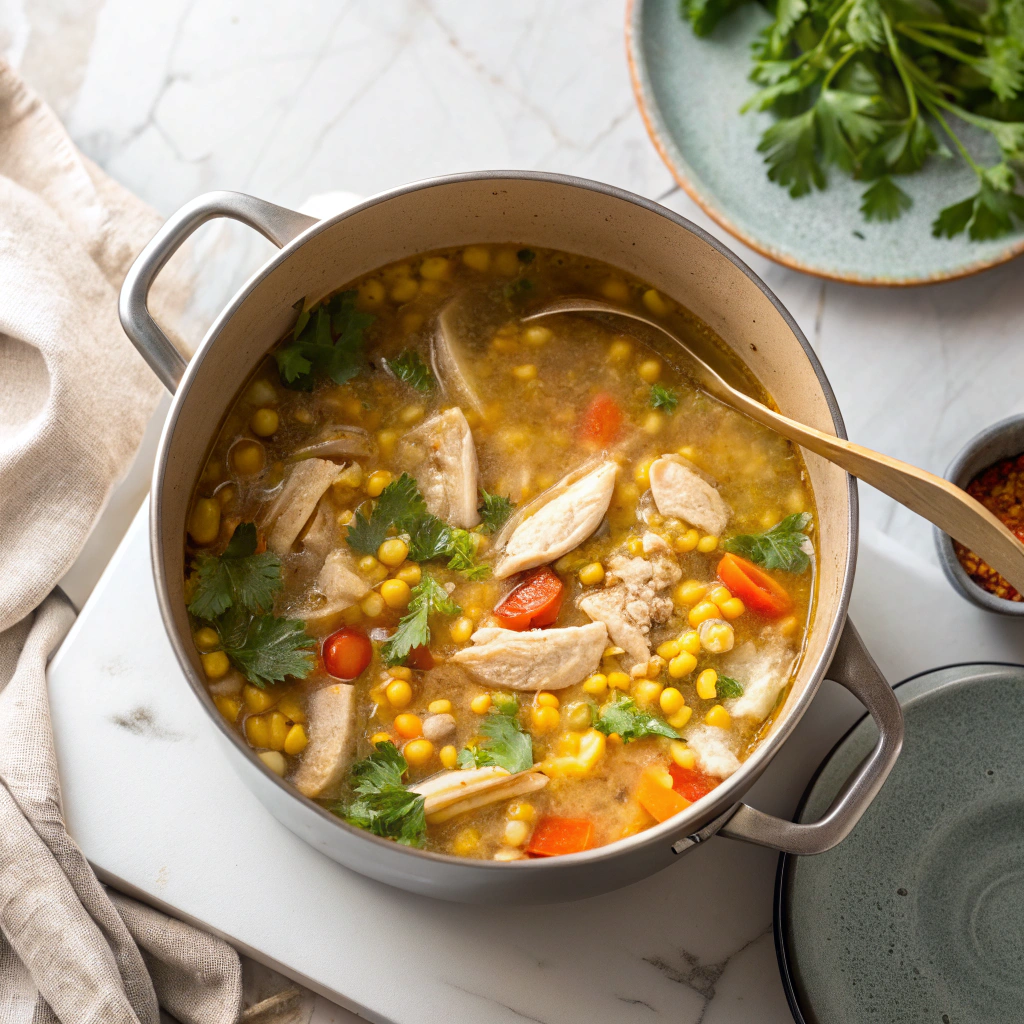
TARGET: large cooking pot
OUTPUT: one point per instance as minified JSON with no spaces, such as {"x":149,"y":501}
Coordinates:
{"x":677,"y":258}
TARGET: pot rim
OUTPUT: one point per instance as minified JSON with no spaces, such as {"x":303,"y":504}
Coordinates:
{"x":732,"y":789}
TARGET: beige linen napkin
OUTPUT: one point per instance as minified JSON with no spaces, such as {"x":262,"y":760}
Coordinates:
{"x":74,"y":399}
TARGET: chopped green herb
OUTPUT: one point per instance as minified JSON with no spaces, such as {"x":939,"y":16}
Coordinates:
{"x":622,"y":715}
{"x":526,"y":255}
{"x":264,"y":648}
{"x":400,"y":505}
{"x":429,"y":538}
{"x":462,"y":555}
{"x":383,"y":805}
{"x":663,"y":398}
{"x":516,"y":291}
{"x":504,"y":743}
{"x":494,"y":510}
{"x":238,"y":576}
{"x":727,"y":687}
{"x":428,"y":598}
{"x":409,"y":367}
{"x":781,"y":547}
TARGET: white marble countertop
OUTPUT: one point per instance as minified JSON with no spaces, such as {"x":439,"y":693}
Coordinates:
{"x":175,"y":97}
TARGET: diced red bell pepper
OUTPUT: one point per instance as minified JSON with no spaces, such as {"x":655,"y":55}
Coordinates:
{"x":553,"y":836}
{"x":601,"y":421}
{"x":690,"y":783}
{"x":536,"y":601}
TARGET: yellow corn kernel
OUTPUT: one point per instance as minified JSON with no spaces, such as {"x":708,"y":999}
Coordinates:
{"x":596,"y":685}
{"x":669,"y":649}
{"x":687,"y":542}
{"x":278,"y":730}
{"x":228,"y":707}
{"x":380,"y":737}
{"x":732,"y":609}
{"x":707,"y":684}
{"x":345,"y":518}
{"x":411,"y":414}
{"x":589,"y":749}
{"x":647,"y":691}
{"x":506,"y":262}
{"x":264,"y":422}
{"x":707,"y":544}
{"x":521,"y":810}
{"x":418,"y":752}
{"x":225,"y":495}
{"x":615,"y":289}
{"x":682,"y":665}
{"x":650,"y":370}
{"x":682,"y":754}
{"x":635,"y":546}
{"x":435,"y":268}
{"x":449,"y":756}
{"x":204,"y":522}
{"x":398,"y":693}
{"x":655,"y":303}
{"x":544,"y":719}
{"x":262,"y":392}
{"x":718,"y":637}
{"x":206,"y":638}
{"x":396,"y":594}
{"x":372,"y":605}
{"x":653,"y":422}
{"x":377,"y":482}
{"x":247,"y":457}
{"x":699,"y":612}
{"x":547,"y":700}
{"x":614,"y":739}
{"x":680,"y":718}
{"x":465,"y":842}
{"x":461,"y":630}
{"x":439,"y":707}
{"x":408,"y":726}
{"x":257,"y":700}
{"x":480,"y":704}
{"x":788,"y":625}
{"x":410,"y":573}
{"x":618,"y":351}
{"x":386,"y":441}
{"x":591,"y":574}
{"x":476,"y":257}
{"x":303,"y":416}
{"x":215,"y":664}
{"x":404,"y":289}
{"x":619,"y":681}
{"x":296,"y":740}
{"x":536,"y":336}
{"x":642,"y":473}
{"x":367,"y":565}
{"x":671,"y":700}
{"x":291,"y":709}
{"x":515,"y":832}
{"x":718,"y":717}
{"x":690,"y":592}
{"x":719,"y":595}
{"x":526,"y":372}
{"x":371,"y":295}
{"x":400,"y":672}
{"x":274,"y":761}
{"x":257,"y":731}
{"x":690,"y":642}
{"x":412,"y":321}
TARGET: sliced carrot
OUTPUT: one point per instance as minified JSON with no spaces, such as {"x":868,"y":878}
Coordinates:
{"x":660,"y":801}
{"x":536,"y":601}
{"x":556,"y":836}
{"x":756,"y":589}
{"x":601,"y":420}
{"x":690,"y":783}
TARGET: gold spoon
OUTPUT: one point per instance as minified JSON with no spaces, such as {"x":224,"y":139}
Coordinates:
{"x":937,"y":500}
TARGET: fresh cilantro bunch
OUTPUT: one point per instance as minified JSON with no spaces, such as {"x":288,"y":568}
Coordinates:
{"x":622,"y":715}
{"x":382,"y":804}
{"x":428,"y":598}
{"x":782,"y":547}
{"x":234,"y":593}
{"x":876,"y":88}
{"x":504,"y":741}
{"x":327,"y":343}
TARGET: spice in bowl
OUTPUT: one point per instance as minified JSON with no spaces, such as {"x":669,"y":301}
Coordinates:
{"x":1000,"y":488}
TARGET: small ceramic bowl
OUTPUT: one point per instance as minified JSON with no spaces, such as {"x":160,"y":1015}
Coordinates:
{"x":1002,"y":440}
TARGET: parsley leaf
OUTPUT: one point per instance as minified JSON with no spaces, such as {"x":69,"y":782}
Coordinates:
{"x":409,"y":368}
{"x":989,"y":214}
{"x":494,"y":510}
{"x":704,"y":15}
{"x":264,"y":648}
{"x":400,"y":505}
{"x":789,"y":148}
{"x":727,"y":687}
{"x":504,"y":743}
{"x":884,"y":201}
{"x":663,"y":398}
{"x":238,"y":576}
{"x":781,"y":547}
{"x":428,"y":597}
{"x":461,"y":550}
{"x":429,"y":538}
{"x":383,"y":805}
{"x":622,"y":715}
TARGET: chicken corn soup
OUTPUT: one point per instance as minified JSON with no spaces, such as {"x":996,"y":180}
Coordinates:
{"x":493,"y":588}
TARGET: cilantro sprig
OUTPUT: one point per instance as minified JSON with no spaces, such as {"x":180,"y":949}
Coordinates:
{"x":870,"y":87}
{"x":622,"y":715}
{"x":264,"y":648}
{"x":781,"y":547}
{"x":494,"y":511}
{"x":727,"y":687}
{"x":504,"y":741}
{"x":238,"y":575}
{"x":663,"y":398}
{"x":428,"y":598}
{"x":382,"y":803}
{"x":409,"y":367}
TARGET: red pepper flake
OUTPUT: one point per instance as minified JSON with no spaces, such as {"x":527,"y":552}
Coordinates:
{"x":1000,"y":488}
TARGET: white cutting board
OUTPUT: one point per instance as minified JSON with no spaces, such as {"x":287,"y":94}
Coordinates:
{"x":159,"y":812}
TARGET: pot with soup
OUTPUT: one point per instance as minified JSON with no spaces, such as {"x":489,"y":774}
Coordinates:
{"x":491,"y":609}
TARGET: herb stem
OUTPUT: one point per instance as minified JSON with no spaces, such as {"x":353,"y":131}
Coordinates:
{"x":932,"y":104}
{"x":948,"y":30}
{"x":937,"y":44}
{"x":897,"y":59}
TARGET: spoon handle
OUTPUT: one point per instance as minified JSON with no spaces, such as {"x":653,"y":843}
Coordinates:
{"x":947,"y":506}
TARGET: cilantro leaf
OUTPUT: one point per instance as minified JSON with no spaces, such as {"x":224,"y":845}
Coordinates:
{"x":400,"y":505}
{"x":504,"y":743}
{"x":526,"y":255}
{"x":462,"y":555}
{"x":727,"y":687}
{"x":781,"y":547}
{"x":383,"y":805}
{"x":884,"y":201}
{"x":428,"y":598}
{"x":429,"y":538}
{"x":663,"y":398}
{"x":494,"y":510}
{"x":264,"y":648}
{"x":238,"y":576}
{"x":409,"y":368}
{"x":622,"y":715}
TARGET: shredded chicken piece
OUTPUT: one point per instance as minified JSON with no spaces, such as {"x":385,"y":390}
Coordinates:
{"x":456,"y":792}
{"x":716,"y":749}
{"x":305,"y":486}
{"x":332,"y":731}
{"x":762,"y":669}
{"x":681,"y":491}
{"x":339,"y":586}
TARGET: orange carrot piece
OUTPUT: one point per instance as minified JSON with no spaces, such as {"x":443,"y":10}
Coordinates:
{"x":554,"y":836}
{"x":661,"y":802}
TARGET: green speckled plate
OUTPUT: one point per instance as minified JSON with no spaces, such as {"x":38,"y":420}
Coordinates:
{"x":690,"y":92}
{"x":918,"y":916}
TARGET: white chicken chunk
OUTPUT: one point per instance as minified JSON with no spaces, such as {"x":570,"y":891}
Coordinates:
{"x":561,"y":524}
{"x":289,"y":513}
{"x":681,"y":492}
{"x":762,"y":669}
{"x":332,"y":731}
{"x":716,"y":750}
{"x":441,"y":455}
{"x":539,"y":659}
{"x":635,"y":598}
{"x":338,"y":587}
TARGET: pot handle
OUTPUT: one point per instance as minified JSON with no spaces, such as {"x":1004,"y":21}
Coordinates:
{"x":275,"y":223}
{"x":854,"y":668}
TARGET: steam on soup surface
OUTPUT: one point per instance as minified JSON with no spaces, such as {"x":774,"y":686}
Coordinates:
{"x":494,"y":588}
